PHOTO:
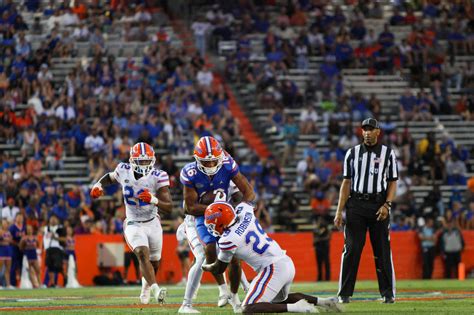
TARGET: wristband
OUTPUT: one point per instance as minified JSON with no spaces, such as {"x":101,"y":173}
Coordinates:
{"x":154,"y":200}
{"x":252,"y":203}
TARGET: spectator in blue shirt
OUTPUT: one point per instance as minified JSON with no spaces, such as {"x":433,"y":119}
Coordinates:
{"x":407,"y":105}
{"x":358,"y":30}
{"x":359,"y":107}
{"x":44,"y":136}
{"x":311,"y":151}
{"x":59,"y":210}
{"x":262,"y":23}
{"x":275,"y":55}
{"x":397,"y":18}
{"x":386,"y":38}
{"x":430,"y":10}
{"x":344,"y":54}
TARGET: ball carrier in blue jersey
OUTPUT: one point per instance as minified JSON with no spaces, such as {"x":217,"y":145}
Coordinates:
{"x":213,"y":170}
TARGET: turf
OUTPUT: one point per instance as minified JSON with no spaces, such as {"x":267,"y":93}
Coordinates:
{"x":415,"y":297}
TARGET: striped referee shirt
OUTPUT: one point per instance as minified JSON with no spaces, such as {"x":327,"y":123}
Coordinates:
{"x":370,"y":168}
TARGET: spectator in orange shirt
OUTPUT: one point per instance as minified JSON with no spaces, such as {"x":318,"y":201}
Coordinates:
{"x":80,"y":9}
{"x":299,"y":17}
{"x":24,"y":120}
{"x":320,"y":205}
{"x":202,"y":122}
{"x":334,"y":165}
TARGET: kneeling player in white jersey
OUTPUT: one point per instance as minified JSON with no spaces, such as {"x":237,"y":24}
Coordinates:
{"x":188,"y":228}
{"x":241,"y":235}
{"x":145,"y":191}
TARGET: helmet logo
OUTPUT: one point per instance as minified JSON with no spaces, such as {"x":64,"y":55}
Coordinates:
{"x":213,"y":216}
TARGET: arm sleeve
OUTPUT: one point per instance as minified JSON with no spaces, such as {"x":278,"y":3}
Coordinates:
{"x":116,"y":173}
{"x":232,"y":166}
{"x":226,"y":251}
{"x":392,"y":167}
{"x":162,"y":180}
{"x":347,"y":166}
{"x":184,"y":179}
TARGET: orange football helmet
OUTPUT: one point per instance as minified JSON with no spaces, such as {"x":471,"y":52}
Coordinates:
{"x":209,"y":155}
{"x":218,"y":216}
{"x":142,"y":158}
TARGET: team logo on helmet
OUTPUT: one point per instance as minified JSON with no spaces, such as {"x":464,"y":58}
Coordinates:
{"x":142,"y":158}
{"x":209,"y":155}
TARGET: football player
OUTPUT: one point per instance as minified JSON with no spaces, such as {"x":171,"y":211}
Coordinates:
{"x":213,"y":170}
{"x":187,"y":230}
{"x":145,"y":192}
{"x":241,"y":235}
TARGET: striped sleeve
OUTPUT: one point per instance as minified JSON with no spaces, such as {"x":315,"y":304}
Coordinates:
{"x":227,"y":249}
{"x":392,"y":167}
{"x":162,"y":180}
{"x":184,"y":179}
{"x":116,"y":173}
{"x":234,"y":169}
{"x":347,"y":166}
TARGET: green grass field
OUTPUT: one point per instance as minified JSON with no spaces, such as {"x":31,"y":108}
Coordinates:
{"x":416,"y":297}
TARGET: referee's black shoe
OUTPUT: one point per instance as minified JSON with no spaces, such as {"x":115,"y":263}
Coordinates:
{"x":388,"y":300}
{"x":344,"y":299}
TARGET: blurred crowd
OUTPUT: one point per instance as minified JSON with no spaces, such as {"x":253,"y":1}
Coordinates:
{"x":431,"y":58}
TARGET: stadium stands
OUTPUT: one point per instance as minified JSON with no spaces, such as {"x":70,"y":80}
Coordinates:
{"x":257,"y":75}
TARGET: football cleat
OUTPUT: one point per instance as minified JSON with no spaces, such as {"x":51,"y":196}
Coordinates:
{"x":145,"y":294}
{"x":236,"y":305}
{"x":330,"y":304}
{"x":388,"y":300}
{"x":304,"y":306}
{"x":188,"y":309}
{"x":160,"y":295}
{"x":223,"y":300}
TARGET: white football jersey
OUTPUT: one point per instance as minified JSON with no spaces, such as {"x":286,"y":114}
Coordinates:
{"x":135,"y":209}
{"x":248,"y":241}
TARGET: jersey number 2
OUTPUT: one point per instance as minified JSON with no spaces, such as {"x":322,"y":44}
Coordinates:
{"x":255,"y":238}
{"x":129,"y":197}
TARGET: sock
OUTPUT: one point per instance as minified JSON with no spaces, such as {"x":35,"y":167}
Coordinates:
{"x":194,"y":278}
{"x":235,"y":298}
{"x":144,"y":283}
{"x":154,"y":287}
{"x":323,"y":301}
{"x":292,"y":308}
{"x":223,"y":289}
{"x":244,"y":282}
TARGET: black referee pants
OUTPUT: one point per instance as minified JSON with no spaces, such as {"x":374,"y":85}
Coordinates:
{"x":359,"y":219}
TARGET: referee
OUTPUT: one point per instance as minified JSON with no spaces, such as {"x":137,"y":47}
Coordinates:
{"x":368,"y":188}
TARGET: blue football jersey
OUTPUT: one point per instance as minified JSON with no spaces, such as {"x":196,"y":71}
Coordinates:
{"x":192,"y":177}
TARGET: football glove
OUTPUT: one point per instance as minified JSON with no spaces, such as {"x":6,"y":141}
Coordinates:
{"x":148,"y":197}
{"x":97,"y":191}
